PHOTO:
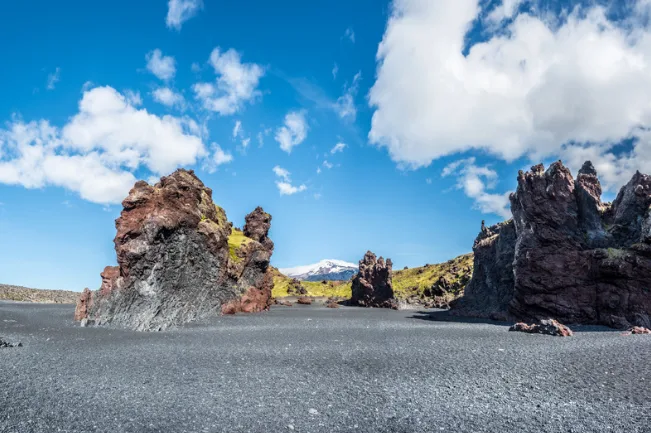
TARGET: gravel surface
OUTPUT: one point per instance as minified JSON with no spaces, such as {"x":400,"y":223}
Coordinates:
{"x":313,"y":369}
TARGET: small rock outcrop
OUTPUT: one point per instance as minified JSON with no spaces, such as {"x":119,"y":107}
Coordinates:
{"x":547,"y":327}
{"x":566,"y":254}
{"x":257,"y":227}
{"x":7,"y":344}
{"x":180,"y":260}
{"x":638,"y":330}
{"x":373,"y":285}
{"x":295,"y":288}
{"x":304,"y":300}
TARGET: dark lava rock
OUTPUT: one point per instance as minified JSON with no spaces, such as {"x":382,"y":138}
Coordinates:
{"x":303,"y":300}
{"x":7,"y":344}
{"x":547,"y":327}
{"x":566,"y":254}
{"x":257,"y":227}
{"x":295,"y":288}
{"x":175,"y":261}
{"x":373,"y":286}
{"x":490,"y":290}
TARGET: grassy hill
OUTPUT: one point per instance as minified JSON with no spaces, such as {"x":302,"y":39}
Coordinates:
{"x":282,"y":283}
{"x":443,"y":281}
{"x":17,"y":293}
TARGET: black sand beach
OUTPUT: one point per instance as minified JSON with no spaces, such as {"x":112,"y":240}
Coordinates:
{"x":312,"y":369}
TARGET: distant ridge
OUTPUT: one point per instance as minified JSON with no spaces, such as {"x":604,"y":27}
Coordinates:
{"x":24,"y":294}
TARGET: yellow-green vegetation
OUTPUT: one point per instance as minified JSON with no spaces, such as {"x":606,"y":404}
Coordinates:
{"x":23,"y":294}
{"x":221,"y":215}
{"x":415,"y":281}
{"x":406,"y":283}
{"x":340,"y":289}
{"x":614,"y":253}
{"x":235,"y":241}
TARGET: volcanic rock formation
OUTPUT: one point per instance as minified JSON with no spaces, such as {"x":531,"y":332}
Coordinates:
{"x":295,"y":288}
{"x":565,"y":254}
{"x":373,"y":286}
{"x":257,"y":227}
{"x":490,"y":290}
{"x":547,"y":327}
{"x":179,"y":260}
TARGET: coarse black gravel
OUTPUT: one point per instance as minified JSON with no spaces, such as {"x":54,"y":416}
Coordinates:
{"x":313,"y":369}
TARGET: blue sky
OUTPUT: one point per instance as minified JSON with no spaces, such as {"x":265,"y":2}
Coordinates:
{"x":390,"y":126}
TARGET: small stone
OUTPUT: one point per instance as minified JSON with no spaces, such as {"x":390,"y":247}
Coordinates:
{"x":639,"y":330}
{"x":313,"y":412}
{"x":547,"y":327}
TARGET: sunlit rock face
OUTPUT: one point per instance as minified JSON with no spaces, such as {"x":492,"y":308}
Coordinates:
{"x":574,"y":258}
{"x":179,"y":260}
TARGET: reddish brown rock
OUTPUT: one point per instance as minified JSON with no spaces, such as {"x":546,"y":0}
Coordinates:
{"x":285,"y":303}
{"x":175,"y":261}
{"x":257,"y":227}
{"x":295,"y":288}
{"x":574,"y":258}
{"x":109,"y":279}
{"x":253,"y":301}
{"x":547,"y":327}
{"x":303,"y":300}
{"x":639,"y":330}
{"x":83,"y":304}
{"x":332,"y":305}
{"x":373,"y":284}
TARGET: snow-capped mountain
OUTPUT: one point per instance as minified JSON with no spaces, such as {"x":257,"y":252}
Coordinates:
{"x":329,"y":270}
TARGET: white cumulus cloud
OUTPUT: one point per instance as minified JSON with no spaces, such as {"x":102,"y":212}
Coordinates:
{"x":236,"y":84}
{"x":293,"y":132}
{"x":571,"y":87}
{"x":96,"y":152}
{"x":475,"y":181}
{"x":287,"y":188}
{"x":164,"y":67}
{"x":220,"y":157}
{"x":168,"y":97}
{"x":179,"y":11}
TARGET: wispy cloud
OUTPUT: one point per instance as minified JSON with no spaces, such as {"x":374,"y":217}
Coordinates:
{"x":339,"y":147}
{"x":53,"y":79}
{"x":284,"y":185}
{"x":179,"y":11}
{"x":350,"y":34}
{"x":345,"y":104}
